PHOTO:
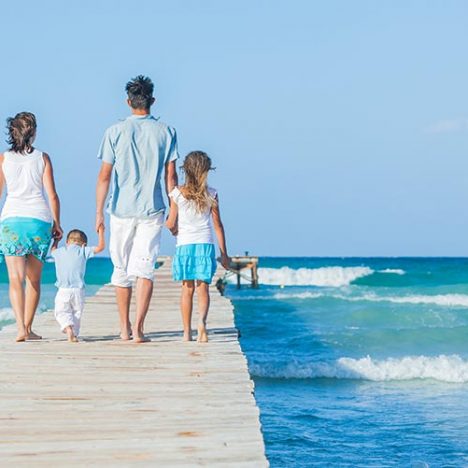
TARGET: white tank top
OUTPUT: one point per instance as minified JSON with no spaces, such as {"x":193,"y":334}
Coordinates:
{"x":193,"y":227}
{"x":25,"y":188}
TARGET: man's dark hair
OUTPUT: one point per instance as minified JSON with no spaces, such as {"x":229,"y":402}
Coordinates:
{"x":140,"y":92}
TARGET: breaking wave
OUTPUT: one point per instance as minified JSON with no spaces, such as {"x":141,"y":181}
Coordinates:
{"x":451,"y":369}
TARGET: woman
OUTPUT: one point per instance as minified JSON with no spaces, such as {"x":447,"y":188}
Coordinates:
{"x":27,"y":222}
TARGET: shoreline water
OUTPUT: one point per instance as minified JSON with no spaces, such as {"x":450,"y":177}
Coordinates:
{"x":353,"y":350}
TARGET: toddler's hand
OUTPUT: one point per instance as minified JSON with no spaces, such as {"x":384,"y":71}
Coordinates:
{"x":99,"y":222}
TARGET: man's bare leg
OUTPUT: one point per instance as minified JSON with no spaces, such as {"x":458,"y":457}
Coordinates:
{"x":186,"y":306}
{"x":124,"y":297}
{"x":144,"y":291}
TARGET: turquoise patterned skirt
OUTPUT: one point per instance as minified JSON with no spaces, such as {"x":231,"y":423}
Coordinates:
{"x":194,"y":262}
{"x":24,"y":236}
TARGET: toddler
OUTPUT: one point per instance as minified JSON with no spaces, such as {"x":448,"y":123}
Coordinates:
{"x":70,"y":266}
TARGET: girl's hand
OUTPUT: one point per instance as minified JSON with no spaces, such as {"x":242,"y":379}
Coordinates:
{"x":172,"y":227}
{"x":57,"y":231}
{"x":225,"y":261}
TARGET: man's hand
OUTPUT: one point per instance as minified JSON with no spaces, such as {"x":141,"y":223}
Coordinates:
{"x":173,"y":227}
{"x":99,"y":222}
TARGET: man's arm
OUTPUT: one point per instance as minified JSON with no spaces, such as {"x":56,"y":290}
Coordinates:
{"x":102,"y":241}
{"x":171,"y":222}
{"x":170,"y":177}
{"x":102,"y":190}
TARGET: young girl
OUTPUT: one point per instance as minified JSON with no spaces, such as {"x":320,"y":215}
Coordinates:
{"x":193,"y":205}
{"x":27,"y":221}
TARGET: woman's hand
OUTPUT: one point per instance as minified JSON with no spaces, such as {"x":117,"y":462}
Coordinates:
{"x":57,"y":231}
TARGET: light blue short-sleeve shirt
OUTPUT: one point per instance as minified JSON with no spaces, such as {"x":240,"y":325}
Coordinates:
{"x":139,"y":148}
{"x":70,"y":265}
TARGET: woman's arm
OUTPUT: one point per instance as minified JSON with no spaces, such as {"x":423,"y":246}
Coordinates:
{"x":102,"y":189}
{"x":102,"y":241}
{"x":54,"y":201}
{"x":2,"y":177}
{"x":171,"y":221}
{"x":220,"y":235}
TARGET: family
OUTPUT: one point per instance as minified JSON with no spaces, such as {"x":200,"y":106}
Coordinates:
{"x":136,"y":154}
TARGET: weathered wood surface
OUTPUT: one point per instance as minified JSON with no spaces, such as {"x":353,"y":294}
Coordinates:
{"x":108,"y":402}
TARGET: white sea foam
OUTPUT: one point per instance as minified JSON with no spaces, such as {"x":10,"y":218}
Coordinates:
{"x":395,"y":271}
{"x":325,"y":276}
{"x":450,"y":300}
{"x":452,"y":369}
{"x":301,"y":295}
{"x":6,"y":313}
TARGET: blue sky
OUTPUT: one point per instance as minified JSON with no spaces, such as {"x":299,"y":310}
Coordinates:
{"x":337,"y":128}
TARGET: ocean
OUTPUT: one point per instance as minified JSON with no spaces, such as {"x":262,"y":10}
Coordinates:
{"x":356,"y":361}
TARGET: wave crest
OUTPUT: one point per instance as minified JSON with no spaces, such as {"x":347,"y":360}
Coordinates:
{"x":451,"y":369}
{"x":325,"y":276}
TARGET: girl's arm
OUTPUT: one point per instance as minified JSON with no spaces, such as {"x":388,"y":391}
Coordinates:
{"x":171,"y":221}
{"x":220,"y":235}
{"x":54,"y":245}
{"x":54,"y":201}
{"x":102,"y":241}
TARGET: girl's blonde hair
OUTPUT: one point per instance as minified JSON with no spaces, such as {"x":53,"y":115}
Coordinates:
{"x":196,"y":166}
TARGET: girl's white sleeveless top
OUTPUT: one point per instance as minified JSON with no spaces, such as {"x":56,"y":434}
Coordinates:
{"x":25,"y":188}
{"x":193,"y":227}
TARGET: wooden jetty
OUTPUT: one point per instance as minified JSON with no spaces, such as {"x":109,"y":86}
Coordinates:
{"x":105,"y":402}
{"x":239,"y":267}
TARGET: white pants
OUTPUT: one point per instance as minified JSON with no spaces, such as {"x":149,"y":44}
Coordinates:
{"x":69,"y":304}
{"x":134,"y":247}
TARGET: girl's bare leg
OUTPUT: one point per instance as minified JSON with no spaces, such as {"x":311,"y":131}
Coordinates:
{"x":186,"y":306}
{"x":203,"y":296}
{"x":16,"y":274}
{"x":33,"y":293}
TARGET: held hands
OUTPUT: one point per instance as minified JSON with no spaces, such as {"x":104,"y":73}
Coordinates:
{"x":99,"y":222}
{"x":57,"y":231}
{"x":173,"y":227}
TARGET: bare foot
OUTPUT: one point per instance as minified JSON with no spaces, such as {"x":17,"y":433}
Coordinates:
{"x":127,"y":334}
{"x":33,"y":336}
{"x":140,"y":338}
{"x":73,"y":339}
{"x":202,"y":334}
{"x":187,"y":336}
{"x":20,"y":338}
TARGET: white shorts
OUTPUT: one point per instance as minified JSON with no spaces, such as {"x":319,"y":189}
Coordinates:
{"x":69,"y":305}
{"x":134,"y":247}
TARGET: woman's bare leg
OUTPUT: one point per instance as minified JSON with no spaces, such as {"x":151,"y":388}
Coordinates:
{"x":203,"y":297}
{"x":33,"y":293}
{"x":16,"y":274}
{"x":186,"y":306}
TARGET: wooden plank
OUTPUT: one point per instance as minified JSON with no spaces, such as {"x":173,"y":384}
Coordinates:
{"x":108,"y":402}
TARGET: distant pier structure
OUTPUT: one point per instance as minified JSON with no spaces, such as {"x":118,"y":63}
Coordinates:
{"x":242,"y":267}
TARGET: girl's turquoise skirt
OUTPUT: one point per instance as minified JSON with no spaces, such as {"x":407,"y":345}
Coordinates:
{"x":24,"y":236}
{"x":194,"y":262}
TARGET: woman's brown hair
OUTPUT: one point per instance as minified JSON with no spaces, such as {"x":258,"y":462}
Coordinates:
{"x":21,"y":132}
{"x":196,"y":166}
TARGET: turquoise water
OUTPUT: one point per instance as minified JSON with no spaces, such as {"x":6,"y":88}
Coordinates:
{"x":357,"y":362}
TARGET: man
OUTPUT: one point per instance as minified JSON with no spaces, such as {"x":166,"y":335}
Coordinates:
{"x":138,"y":150}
